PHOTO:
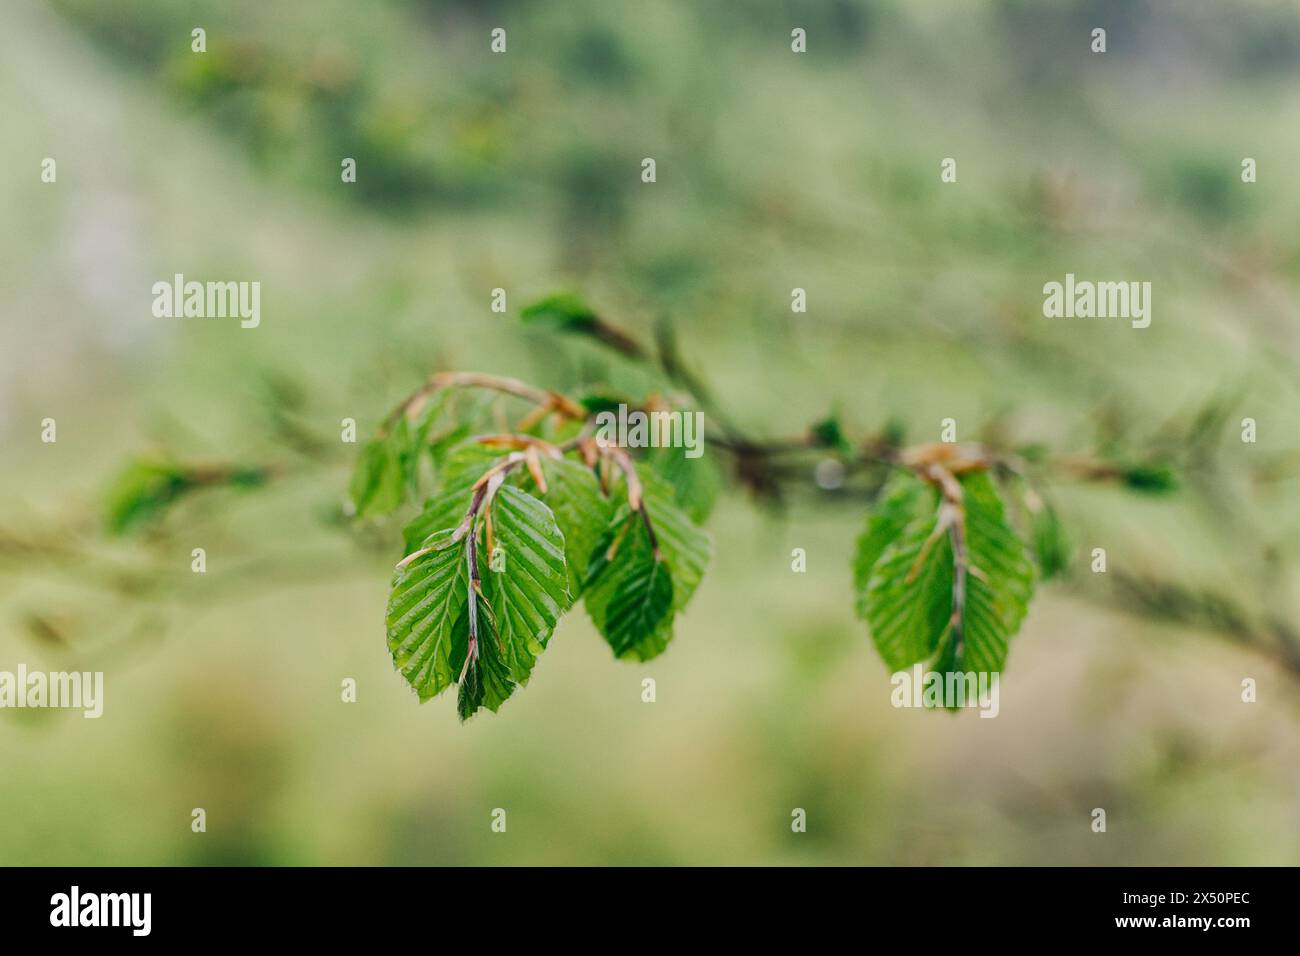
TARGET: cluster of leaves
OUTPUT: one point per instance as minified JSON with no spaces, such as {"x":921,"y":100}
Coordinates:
{"x":944,"y":570}
{"x":519,"y":527}
{"x":516,"y":530}
{"x":941,"y":573}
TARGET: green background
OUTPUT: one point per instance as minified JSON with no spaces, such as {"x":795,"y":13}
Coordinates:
{"x":522,"y":171}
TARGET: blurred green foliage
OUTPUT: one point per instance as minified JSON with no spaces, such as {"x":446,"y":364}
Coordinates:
{"x":521,"y":171}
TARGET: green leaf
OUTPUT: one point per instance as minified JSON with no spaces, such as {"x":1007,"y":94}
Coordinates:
{"x":145,"y":489}
{"x":627,"y":538}
{"x":411,"y":438}
{"x":642,"y":598}
{"x":685,"y":550}
{"x":563,"y":310}
{"x":1041,"y":526}
{"x":530,"y":593}
{"x":442,"y":512}
{"x":378,"y":480}
{"x":998,"y":596}
{"x":907,"y":597}
{"x":582,"y":512}
{"x":464,"y":465}
{"x":685,"y":545}
{"x":567,"y":312}
{"x":142,"y":491}
{"x":829,"y":433}
{"x":1155,"y":479}
{"x":427,"y":597}
{"x":896,"y":507}
{"x":525,"y":590}
{"x":388,"y":466}
{"x":596,"y":402}
{"x":442,"y":447}
{"x":1051,"y":543}
{"x":487,"y":681}
{"x":695,"y":482}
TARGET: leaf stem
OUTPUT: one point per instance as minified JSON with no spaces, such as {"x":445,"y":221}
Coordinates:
{"x":552,"y":401}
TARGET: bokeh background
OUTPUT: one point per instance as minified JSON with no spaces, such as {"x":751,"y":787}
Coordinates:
{"x":521,"y":171}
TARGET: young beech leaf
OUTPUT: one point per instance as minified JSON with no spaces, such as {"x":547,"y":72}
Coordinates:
{"x":427,"y":597}
{"x":522,"y":598}
{"x":442,"y":512}
{"x":388,"y":467}
{"x":685,"y":545}
{"x":905,"y":579}
{"x":632,"y":558}
{"x":998,"y":598}
{"x":444,"y":445}
{"x":377,"y":481}
{"x":531,"y":591}
{"x":463,"y":465}
{"x":685,"y":550}
{"x":487,"y":681}
{"x":642,"y":598}
{"x":695,"y":481}
{"x":1041,"y":527}
{"x":581,"y":511}
{"x":412,"y":439}
{"x":897,"y":506}
{"x":908,"y":595}
{"x":1051,"y":543}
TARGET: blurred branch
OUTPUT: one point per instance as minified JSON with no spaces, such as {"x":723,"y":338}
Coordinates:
{"x":769,"y":468}
{"x":1166,"y":600}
